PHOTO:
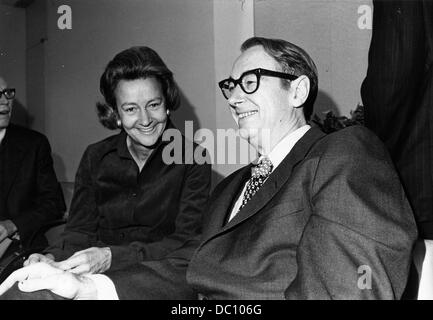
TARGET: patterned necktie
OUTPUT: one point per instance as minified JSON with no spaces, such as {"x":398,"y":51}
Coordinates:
{"x":259,"y":173}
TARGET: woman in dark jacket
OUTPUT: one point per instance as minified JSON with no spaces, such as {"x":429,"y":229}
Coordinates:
{"x":130,"y":204}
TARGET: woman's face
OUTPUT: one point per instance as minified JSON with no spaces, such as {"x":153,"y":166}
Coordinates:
{"x":141,"y":107}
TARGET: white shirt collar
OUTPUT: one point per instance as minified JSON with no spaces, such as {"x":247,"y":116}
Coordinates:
{"x":282,"y":149}
{"x":2,"y":134}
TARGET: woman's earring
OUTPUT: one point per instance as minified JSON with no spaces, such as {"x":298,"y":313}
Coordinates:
{"x":168,"y":112}
{"x":119,"y":123}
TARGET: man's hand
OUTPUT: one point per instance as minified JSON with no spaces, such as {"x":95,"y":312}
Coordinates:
{"x":39,"y":276}
{"x":37,"y":257}
{"x":7,"y":228}
{"x":92,"y":260}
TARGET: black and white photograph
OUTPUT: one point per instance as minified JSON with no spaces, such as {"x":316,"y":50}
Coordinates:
{"x":216,"y":150}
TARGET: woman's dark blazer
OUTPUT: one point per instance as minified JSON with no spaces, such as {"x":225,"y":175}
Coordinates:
{"x":139,"y":215}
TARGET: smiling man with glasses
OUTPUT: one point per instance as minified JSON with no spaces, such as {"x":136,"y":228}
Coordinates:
{"x":258,"y":91}
{"x":316,"y":216}
{"x":330,"y":206}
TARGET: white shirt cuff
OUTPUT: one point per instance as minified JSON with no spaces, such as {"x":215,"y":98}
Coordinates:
{"x":104,"y":287}
{"x":425,"y":291}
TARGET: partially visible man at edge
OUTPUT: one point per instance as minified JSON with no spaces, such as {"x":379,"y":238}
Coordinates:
{"x":30,"y":195}
{"x":316,"y":216}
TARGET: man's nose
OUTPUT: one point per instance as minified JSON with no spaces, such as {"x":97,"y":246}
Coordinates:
{"x":237,"y":96}
{"x":3,"y":99}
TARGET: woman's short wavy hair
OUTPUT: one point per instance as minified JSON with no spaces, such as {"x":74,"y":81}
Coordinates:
{"x":131,"y":64}
{"x":290,"y":56}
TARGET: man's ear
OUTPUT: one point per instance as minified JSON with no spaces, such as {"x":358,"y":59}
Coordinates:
{"x":301,"y":89}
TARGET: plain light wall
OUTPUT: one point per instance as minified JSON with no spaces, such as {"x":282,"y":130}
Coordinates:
{"x":233,"y":23}
{"x":180,"y":31}
{"x":36,"y":37}
{"x":328,"y":30}
{"x":13,"y":57}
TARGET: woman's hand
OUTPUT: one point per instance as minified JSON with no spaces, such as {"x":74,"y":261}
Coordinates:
{"x":92,"y":260}
{"x":37,"y":257}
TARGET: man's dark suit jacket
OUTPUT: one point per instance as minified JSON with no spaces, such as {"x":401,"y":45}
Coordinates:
{"x":30,"y":194}
{"x":330,"y":218}
{"x":398,"y":97}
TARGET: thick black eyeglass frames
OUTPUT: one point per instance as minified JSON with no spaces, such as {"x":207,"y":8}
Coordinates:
{"x":249,"y":81}
{"x":8,"y":92}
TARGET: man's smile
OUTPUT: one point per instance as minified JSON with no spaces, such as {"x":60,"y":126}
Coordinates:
{"x":246,"y":114}
{"x":4,"y":111}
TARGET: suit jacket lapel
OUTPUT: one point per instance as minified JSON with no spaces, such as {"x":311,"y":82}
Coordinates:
{"x":275,"y":181}
{"x":220,"y":208}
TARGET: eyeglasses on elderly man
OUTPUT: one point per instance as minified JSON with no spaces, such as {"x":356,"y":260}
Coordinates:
{"x":249,"y":81}
{"x":9,"y":93}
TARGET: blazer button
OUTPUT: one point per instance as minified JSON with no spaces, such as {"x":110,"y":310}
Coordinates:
{"x":133,"y":194}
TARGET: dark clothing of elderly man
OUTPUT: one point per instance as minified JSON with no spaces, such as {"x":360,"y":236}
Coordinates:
{"x":30,"y":195}
{"x":316,"y":216}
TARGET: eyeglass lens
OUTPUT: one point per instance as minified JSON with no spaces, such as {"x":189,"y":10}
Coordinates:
{"x":248,"y":83}
{"x":8,"y":93}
